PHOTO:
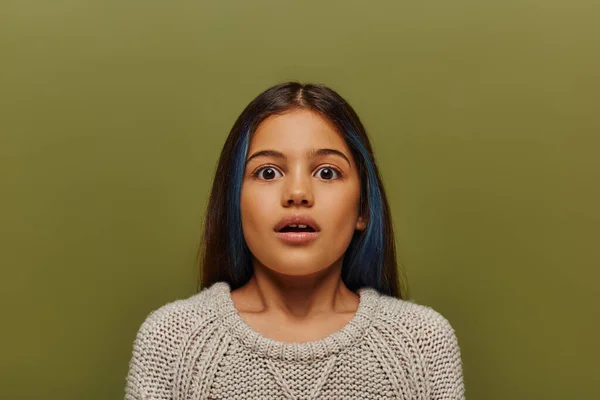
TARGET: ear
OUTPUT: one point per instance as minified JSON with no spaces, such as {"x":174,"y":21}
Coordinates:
{"x":361,"y":224}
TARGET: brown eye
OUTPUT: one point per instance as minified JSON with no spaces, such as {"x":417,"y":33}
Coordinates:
{"x":328,"y":173}
{"x":267,"y":174}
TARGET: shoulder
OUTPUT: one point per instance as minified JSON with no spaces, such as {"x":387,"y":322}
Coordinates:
{"x":181,"y":315}
{"x":160,"y":339}
{"x":419,"y":333}
{"x":413,"y":318}
{"x":419,"y":329}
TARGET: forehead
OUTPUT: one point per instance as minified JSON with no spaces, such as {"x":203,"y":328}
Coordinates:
{"x":295,"y":132}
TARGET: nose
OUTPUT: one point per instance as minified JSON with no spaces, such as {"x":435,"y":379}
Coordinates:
{"x":297,"y":191}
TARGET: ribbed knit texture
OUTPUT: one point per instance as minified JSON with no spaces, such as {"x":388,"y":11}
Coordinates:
{"x":200,"y":348}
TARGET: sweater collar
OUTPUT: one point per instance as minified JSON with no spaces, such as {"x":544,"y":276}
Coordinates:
{"x":260,"y":345}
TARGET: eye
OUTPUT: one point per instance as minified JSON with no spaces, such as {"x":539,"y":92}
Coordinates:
{"x":267,"y":173}
{"x":328,"y":173}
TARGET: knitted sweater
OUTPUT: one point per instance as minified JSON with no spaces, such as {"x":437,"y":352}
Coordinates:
{"x":200,"y":348}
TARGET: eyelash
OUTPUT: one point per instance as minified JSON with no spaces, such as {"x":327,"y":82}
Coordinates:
{"x":256,"y":173}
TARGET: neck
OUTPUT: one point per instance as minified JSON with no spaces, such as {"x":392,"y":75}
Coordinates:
{"x":297,"y":298}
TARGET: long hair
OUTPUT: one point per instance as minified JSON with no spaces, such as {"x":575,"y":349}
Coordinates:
{"x":370,"y":259}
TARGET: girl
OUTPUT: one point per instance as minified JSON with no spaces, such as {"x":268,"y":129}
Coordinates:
{"x":300,"y":296}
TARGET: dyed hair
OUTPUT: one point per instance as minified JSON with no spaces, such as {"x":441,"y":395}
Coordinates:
{"x":370,"y":259}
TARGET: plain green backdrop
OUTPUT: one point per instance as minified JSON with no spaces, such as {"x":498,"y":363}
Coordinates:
{"x":485,"y":120}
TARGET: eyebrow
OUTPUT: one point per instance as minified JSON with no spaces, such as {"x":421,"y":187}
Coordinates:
{"x":312,"y":153}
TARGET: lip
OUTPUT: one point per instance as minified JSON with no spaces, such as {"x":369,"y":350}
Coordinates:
{"x":297,"y":237}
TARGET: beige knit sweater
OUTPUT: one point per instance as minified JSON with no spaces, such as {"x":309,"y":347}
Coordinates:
{"x":200,"y":348}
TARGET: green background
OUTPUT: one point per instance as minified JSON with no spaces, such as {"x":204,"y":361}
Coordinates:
{"x":485,"y":120}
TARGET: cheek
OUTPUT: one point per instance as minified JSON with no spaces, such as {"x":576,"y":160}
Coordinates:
{"x":256,"y":207}
{"x":342,"y":201}
{"x":342,"y":209}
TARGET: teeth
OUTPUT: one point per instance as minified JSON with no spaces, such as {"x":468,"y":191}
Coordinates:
{"x":302,"y":226}
{"x":293,"y":226}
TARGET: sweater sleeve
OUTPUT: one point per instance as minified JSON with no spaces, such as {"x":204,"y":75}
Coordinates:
{"x":442,"y":358}
{"x":138,"y":364}
{"x":149,"y":370}
{"x":158,"y":347}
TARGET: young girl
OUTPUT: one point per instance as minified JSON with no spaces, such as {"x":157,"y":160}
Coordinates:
{"x":300,"y":292}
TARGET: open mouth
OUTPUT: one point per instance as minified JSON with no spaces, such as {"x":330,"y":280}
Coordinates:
{"x":296,"y":228}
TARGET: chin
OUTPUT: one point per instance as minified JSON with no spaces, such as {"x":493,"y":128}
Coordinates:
{"x":297,"y":271}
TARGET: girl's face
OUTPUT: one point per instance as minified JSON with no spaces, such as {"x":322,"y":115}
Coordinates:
{"x":299,"y":167}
